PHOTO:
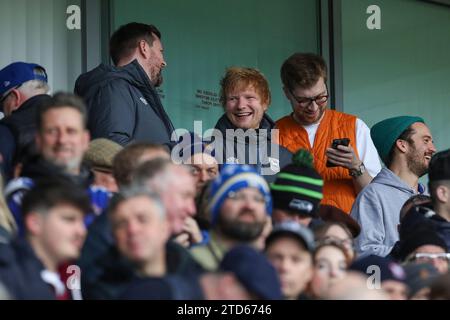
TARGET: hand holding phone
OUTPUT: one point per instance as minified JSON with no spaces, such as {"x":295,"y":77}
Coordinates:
{"x":335,"y":144}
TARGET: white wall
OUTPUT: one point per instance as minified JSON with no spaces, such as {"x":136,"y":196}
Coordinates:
{"x":35,"y":31}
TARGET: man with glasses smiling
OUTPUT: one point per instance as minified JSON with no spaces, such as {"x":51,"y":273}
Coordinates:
{"x":313,"y":127}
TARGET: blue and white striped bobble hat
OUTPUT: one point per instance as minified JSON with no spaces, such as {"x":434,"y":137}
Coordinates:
{"x":234,"y":177}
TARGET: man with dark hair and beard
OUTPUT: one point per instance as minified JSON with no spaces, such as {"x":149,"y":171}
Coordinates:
{"x":240,"y":205}
{"x":405,"y":145}
{"x":122,"y":100}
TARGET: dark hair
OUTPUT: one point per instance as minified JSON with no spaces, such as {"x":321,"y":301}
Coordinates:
{"x":303,"y":70}
{"x":405,"y":135}
{"x":62,"y":100}
{"x":51,"y":192}
{"x":417,"y":200}
{"x":129,"y":158}
{"x":322,"y":229}
{"x":332,"y":243}
{"x":126,"y":39}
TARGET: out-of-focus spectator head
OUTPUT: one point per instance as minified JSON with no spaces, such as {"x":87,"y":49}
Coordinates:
{"x":240,"y":203}
{"x":439,"y":182}
{"x":196,"y":154}
{"x":384,"y":273}
{"x":99,"y":157}
{"x":254,"y":272}
{"x":20,"y":81}
{"x":338,"y":232}
{"x":289,"y":247}
{"x":297,"y":190}
{"x":424,"y":245}
{"x":130,"y":157}
{"x":331,"y":261}
{"x":415,"y":201}
{"x":141,"y":42}
{"x":245,"y":96}
{"x":62,"y":137}
{"x":419,"y":277}
{"x":333,"y":214}
{"x":140,"y":229}
{"x":54,"y":220}
{"x":174,"y":184}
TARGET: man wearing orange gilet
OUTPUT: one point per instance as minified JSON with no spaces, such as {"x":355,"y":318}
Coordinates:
{"x":313,"y":127}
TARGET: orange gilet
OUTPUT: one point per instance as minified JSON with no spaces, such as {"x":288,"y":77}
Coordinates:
{"x":338,"y":187}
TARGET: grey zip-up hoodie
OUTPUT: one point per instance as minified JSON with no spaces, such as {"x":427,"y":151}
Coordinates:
{"x":377,"y":210}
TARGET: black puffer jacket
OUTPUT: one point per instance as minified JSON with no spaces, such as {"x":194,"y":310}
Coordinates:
{"x":20,"y":272}
{"x":123,"y":105}
{"x":21,"y":126}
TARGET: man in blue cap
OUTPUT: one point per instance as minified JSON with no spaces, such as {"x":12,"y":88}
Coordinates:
{"x":23,"y":87}
{"x":240,"y":206}
{"x":405,"y":145}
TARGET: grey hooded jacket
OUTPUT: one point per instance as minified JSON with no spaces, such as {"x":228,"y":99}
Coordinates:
{"x":377,"y":210}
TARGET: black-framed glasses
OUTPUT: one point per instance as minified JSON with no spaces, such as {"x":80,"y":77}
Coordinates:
{"x":304,"y":102}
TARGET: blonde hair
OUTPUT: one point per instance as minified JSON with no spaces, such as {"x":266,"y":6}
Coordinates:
{"x":6,"y":218}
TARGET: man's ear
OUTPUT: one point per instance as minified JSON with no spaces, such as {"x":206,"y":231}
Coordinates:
{"x":443,"y":194}
{"x":144,"y":48}
{"x":402,"y":145}
{"x":15,"y":98}
{"x":33,"y":223}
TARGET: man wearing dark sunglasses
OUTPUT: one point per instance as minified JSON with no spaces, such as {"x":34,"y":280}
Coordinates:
{"x":345,"y":169}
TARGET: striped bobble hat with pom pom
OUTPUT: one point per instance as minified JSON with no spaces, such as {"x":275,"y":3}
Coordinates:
{"x":298,"y":187}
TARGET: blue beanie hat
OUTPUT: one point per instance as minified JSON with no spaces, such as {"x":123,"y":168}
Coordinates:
{"x":386,"y":132}
{"x":234,"y":177}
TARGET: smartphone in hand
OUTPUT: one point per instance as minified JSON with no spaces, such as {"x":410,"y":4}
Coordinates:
{"x":335,"y":144}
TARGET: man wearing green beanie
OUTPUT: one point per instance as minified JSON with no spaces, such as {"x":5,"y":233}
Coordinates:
{"x":405,"y":145}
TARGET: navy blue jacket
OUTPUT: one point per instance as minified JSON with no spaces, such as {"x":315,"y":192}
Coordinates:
{"x":123,"y":105}
{"x":20,"y":272}
{"x":17,"y":133}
